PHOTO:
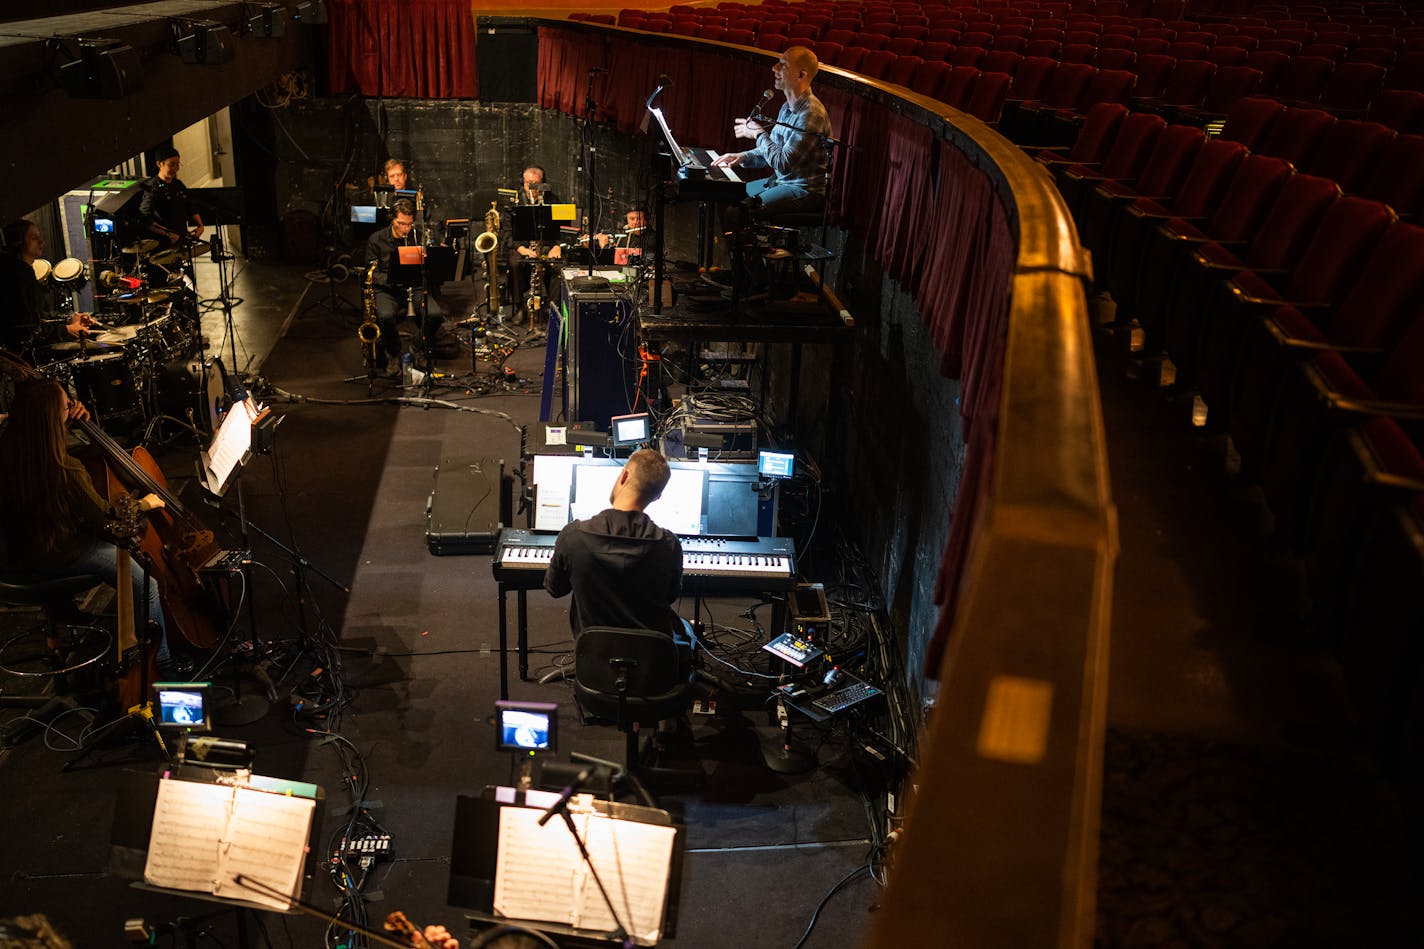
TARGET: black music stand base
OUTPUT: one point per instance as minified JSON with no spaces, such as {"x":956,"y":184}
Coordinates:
{"x":243,"y":708}
{"x":787,"y":755}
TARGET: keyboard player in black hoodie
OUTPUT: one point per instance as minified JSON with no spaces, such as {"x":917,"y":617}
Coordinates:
{"x":622,"y":569}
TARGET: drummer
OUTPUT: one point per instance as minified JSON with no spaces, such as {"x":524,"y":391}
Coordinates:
{"x":27,"y":316}
{"x":165,"y":207}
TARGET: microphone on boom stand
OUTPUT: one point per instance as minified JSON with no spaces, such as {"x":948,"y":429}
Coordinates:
{"x":755,"y":113}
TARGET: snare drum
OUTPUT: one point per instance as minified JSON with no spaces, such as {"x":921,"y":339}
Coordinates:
{"x":70,"y":270}
{"x":106,"y":384}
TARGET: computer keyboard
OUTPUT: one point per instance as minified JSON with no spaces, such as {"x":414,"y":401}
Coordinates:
{"x":842,"y":699}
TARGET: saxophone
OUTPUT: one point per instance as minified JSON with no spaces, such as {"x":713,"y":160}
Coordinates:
{"x":485,"y":245}
{"x":369,"y":332}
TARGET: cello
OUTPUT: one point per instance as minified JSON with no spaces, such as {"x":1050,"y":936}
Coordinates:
{"x":174,"y":544}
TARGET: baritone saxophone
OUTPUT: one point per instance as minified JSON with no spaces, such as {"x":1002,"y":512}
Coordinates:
{"x":485,"y":245}
{"x":369,"y":332}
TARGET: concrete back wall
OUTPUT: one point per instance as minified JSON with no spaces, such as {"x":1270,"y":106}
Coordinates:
{"x":459,"y":151}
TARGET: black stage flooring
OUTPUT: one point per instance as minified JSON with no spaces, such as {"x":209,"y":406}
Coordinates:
{"x":345,"y":493}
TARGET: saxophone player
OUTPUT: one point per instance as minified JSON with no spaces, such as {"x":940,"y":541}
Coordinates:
{"x":397,"y":299}
{"x":533,"y":190}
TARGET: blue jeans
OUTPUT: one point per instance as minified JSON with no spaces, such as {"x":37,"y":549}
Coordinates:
{"x":784,"y":198}
{"x":102,"y":560}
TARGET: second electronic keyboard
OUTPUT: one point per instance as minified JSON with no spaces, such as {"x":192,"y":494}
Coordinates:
{"x":709,"y":565}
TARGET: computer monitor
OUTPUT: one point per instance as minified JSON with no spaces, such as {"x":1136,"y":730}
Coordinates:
{"x":631,"y":430}
{"x":182,"y":706}
{"x":678,"y":510}
{"x":778,"y":465}
{"x":528,"y":727}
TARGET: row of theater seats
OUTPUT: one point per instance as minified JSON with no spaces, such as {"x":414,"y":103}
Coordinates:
{"x":1178,"y":64}
{"x":1269,"y":268}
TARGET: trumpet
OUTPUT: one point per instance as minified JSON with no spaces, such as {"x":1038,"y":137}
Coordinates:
{"x":485,"y":245}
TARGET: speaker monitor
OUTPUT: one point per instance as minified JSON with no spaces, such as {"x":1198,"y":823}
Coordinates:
{"x":209,"y":44}
{"x":105,"y":69}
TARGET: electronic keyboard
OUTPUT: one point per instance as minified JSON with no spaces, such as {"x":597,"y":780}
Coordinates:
{"x":710,"y":565}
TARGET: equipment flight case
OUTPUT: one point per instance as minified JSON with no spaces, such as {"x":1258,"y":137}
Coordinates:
{"x":472,"y":498}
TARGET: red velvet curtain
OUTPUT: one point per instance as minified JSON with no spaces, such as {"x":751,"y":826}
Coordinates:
{"x":421,"y":49}
{"x":930,"y":217}
{"x":700,"y":102}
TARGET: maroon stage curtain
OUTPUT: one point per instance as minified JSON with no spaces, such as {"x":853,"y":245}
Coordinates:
{"x":699,"y":104}
{"x":423,"y":49}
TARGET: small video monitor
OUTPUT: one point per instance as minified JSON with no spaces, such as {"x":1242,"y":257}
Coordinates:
{"x":363,"y":214}
{"x":103,"y":225}
{"x":529,"y":727}
{"x":631,"y":430}
{"x":182,"y":706}
{"x":778,"y":465}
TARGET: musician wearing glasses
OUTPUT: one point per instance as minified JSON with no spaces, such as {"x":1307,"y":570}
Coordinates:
{"x":394,"y":300}
{"x":792,"y":146}
{"x":165,"y":207}
{"x":27,"y":316}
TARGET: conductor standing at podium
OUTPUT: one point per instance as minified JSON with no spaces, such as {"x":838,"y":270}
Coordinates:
{"x":623,"y":569}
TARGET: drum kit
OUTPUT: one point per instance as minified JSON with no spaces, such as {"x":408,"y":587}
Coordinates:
{"x":147,"y":320}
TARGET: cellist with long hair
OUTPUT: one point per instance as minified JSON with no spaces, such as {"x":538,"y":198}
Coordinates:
{"x":52,"y":519}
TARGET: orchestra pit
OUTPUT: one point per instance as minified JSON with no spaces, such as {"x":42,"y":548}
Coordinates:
{"x":789,"y":473}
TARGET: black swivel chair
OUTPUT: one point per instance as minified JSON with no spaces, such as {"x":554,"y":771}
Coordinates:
{"x":632,"y":677}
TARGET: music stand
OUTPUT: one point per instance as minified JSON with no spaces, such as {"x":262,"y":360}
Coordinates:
{"x":535,"y":223}
{"x":493,"y":836}
{"x":142,"y":836}
{"x":220,"y":466}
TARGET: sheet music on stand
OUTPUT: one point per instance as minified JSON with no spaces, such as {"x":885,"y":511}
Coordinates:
{"x":204,"y":833}
{"x":509,"y":869}
{"x":231,"y":444}
{"x":542,"y":877}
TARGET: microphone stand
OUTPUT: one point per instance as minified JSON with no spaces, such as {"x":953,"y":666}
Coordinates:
{"x":421,"y":319}
{"x":561,"y":807}
{"x":592,"y":152}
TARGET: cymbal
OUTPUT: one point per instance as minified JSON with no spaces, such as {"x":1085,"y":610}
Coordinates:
{"x":181,"y":252}
{"x":145,"y":246}
{"x":138,"y":297}
{"x":88,"y":346}
{"x":119,"y":334}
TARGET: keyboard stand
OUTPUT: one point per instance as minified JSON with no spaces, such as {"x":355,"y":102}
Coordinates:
{"x":522,"y":633}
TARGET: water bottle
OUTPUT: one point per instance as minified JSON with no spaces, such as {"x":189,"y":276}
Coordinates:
{"x":405,"y":369}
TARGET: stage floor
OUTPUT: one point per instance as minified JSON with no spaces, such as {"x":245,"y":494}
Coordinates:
{"x":345,"y":494}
